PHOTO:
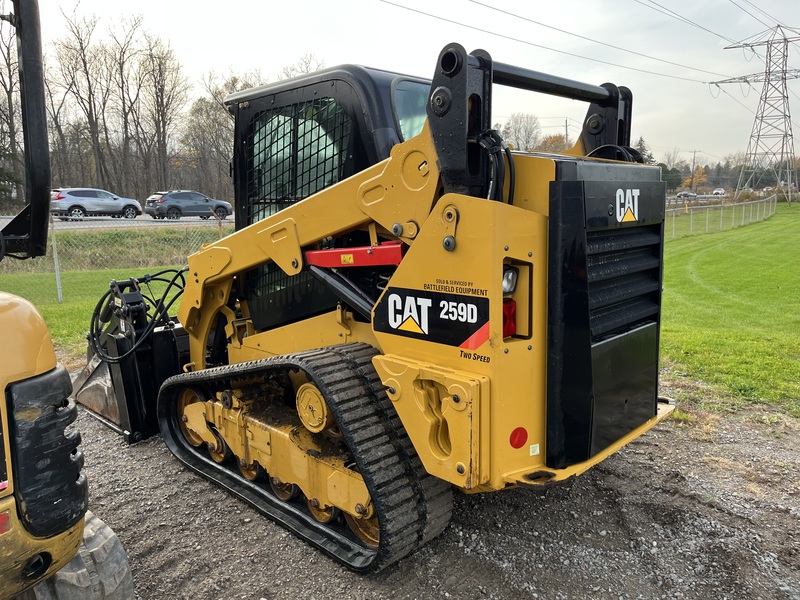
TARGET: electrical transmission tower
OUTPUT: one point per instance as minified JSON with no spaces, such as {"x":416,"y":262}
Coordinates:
{"x":771,"y":149}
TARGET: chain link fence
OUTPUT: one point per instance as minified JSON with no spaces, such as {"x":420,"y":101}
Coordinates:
{"x":117,"y":248}
{"x":696,"y":219}
{"x":121,"y":248}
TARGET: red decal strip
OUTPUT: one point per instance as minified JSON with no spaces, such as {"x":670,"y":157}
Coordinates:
{"x":477,"y":339}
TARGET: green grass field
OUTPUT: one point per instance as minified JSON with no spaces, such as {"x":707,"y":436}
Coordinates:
{"x":69,"y":322}
{"x":731,"y":315}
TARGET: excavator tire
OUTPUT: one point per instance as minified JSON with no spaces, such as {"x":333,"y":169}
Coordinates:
{"x":99,"y":571}
{"x":411,"y":506}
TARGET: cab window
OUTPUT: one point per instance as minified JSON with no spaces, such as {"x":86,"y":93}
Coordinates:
{"x":410,"y":99}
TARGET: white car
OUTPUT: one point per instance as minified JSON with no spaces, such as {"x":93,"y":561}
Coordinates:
{"x":76,"y":203}
{"x":718,"y":192}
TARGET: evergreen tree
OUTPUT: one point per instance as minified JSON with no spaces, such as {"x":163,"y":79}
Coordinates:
{"x":647,"y":156}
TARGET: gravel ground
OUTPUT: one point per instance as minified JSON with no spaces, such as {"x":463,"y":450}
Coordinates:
{"x":706,"y":510}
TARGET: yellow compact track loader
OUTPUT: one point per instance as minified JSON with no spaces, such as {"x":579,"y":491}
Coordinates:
{"x":407,"y":307}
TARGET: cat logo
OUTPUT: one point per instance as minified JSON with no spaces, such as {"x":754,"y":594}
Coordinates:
{"x":627,"y":205}
{"x":409,"y":314}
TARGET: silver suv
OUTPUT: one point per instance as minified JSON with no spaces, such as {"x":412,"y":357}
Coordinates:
{"x":185,"y":203}
{"x":77,"y":203}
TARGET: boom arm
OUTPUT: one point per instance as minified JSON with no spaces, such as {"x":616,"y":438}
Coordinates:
{"x":397,"y":194}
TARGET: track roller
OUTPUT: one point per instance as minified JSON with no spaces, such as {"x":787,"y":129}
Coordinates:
{"x":341,"y":472}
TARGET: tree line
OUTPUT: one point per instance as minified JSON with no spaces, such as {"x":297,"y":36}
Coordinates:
{"x":122,"y":116}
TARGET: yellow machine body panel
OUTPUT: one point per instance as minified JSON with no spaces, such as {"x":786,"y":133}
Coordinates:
{"x":26,"y":352}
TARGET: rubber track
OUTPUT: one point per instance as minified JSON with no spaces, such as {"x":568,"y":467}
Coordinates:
{"x":411,"y":506}
{"x":435,"y":495}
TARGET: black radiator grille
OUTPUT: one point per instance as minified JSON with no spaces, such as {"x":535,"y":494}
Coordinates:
{"x":623,"y":269}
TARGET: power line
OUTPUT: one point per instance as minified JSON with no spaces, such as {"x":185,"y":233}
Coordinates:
{"x":770,"y":17}
{"x":751,"y":14}
{"x":527,"y":43}
{"x":515,"y":15}
{"x":671,"y":13}
{"x":724,"y":91}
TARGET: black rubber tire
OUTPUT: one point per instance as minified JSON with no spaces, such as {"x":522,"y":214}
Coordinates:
{"x":222,"y":213}
{"x":173,"y":214}
{"x":99,"y":571}
{"x":129,"y":212}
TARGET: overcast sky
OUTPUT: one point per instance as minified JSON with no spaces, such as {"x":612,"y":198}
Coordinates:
{"x":665,"y":51}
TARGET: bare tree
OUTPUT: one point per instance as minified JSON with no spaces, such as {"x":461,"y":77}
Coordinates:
{"x":165,"y":94}
{"x":126,"y":89}
{"x":57,"y":108}
{"x":307,"y":63}
{"x":83,"y":71}
{"x":522,"y":131}
{"x":208,"y":135}
{"x":12,"y":171}
{"x":672,"y":158}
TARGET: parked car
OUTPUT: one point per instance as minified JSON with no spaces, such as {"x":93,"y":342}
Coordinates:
{"x":76,"y":203}
{"x":718,"y":192}
{"x":686,"y":195}
{"x":175,"y":204}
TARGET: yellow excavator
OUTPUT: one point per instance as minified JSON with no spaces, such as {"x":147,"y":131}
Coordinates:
{"x":50,"y":545}
{"x":407,"y":307}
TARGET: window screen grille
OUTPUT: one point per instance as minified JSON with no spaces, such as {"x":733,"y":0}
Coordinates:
{"x":293,"y":152}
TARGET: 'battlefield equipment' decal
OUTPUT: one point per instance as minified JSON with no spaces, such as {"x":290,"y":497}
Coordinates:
{"x":452,"y":319}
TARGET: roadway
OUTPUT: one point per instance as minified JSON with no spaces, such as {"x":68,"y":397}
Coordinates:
{"x":110,"y":222}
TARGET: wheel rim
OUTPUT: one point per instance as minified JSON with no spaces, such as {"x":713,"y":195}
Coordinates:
{"x":222,"y":213}
{"x":323,"y":515}
{"x":366,"y":530}
{"x":251,"y":471}
{"x":173,"y":213}
{"x":130,"y":213}
{"x":283,"y":491}
{"x":188,"y":396}
{"x":76,"y":213}
{"x":219,"y":450}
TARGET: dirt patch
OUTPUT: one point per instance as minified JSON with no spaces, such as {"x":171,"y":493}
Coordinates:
{"x":708,"y":509}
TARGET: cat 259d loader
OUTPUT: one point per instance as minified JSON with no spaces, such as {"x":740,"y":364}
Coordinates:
{"x":406,"y":308}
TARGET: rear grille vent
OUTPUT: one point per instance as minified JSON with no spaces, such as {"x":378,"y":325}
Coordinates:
{"x":624,"y":273}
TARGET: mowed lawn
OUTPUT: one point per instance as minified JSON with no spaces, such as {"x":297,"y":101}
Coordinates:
{"x":732,"y":311}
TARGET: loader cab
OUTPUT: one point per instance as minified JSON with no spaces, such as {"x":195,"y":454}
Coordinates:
{"x":295,"y":138}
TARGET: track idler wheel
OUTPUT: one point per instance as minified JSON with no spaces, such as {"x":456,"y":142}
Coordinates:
{"x":312,"y":409}
{"x":251,"y":472}
{"x":283,"y":491}
{"x":219,"y":450}
{"x":323,"y":514}
{"x":366,"y":530}
{"x":188,"y":396}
